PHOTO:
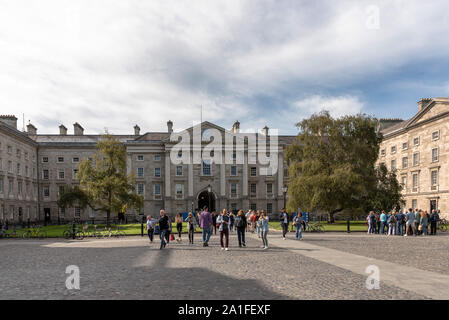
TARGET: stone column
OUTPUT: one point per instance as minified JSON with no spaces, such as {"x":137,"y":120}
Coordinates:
{"x":190,"y":179}
{"x":280,"y":173}
{"x":167,"y":174}
{"x":245,"y":175}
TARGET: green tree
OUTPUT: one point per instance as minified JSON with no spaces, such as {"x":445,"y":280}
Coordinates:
{"x":104,"y":184}
{"x":386,"y":195}
{"x":331,"y":164}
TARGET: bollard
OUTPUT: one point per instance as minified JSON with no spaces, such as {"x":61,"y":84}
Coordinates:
{"x":349,"y":224}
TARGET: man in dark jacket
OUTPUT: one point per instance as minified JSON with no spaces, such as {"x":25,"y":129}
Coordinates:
{"x":434,"y":217}
{"x":284,"y":222}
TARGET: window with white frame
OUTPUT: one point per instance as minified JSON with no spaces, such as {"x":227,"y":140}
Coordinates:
{"x":404,"y":162}
{"x":404,"y":145}
{"x":269,"y":188}
{"x":393,"y":164}
{"x":233,"y":171}
{"x":416,"y":141}
{"x":269,"y":208}
{"x":140,"y":157}
{"x":61,"y":175}
{"x":206,"y":168}
{"x":77,"y":212}
{"x":10,"y":166}
{"x":434,"y":178}
{"x":140,"y":189}
{"x":233,"y":189}
{"x":44,"y":159}
{"x":60,"y":159}
{"x":18,"y":169}
{"x":382,"y":152}
{"x":45,"y":174}
{"x":415,"y":180}
{"x":75,"y":159}
{"x":10,"y":186}
{"x":404,"y":182}
{"x":11,"y":213}
{"x":157,"y":189}
{"x":28,"y":213}
{"x":416,"y":159}
{"x":157,"y":157}
{"x":179,"y":170}
{"x":19,"y":187}
{"x":157,"y":172}
{"x":436,"y":135}
{"x":393,"y":149}
{"x":434,"y":154}
{"x":61,"y":190}
{"x":140,"y":172}
{"x":253,"y":188}
{"x":179,"y":189}
{"x":414,"y":204}
{"x":46,"y":190}
{"x":75,"y":173}
{"x":253,"y":171}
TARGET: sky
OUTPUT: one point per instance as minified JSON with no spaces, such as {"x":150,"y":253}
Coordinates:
{"x":113,"y":64}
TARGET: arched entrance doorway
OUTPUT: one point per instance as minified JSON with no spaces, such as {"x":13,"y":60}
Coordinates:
{"x":206,"y":199}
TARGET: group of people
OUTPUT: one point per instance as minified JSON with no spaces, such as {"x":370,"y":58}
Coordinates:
{"x":225,"y":222}
{"x":413,"y":222}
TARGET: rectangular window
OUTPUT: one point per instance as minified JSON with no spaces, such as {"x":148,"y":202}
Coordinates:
{"x":77,"y":212}
{"x":44,"y":159}
{"x":416,"y":159}
{"x":233,"y":189}
{"x":253,"y":188}
{"x":269,"y":208}
{"x":60,"y":159}
{"x":61,"y":212}
{"x":206,"y":168}
{"x":253,"y":171}
{"x":404,"y":182}
{"x":140,"y":172}
{"x":46,"y":191}
{"x":19,"y":187}
{"x":234,"y":206}
{"x":382,"y":152}
{"x":26,"y":171}
{"x":269,"y":188}
{"x":393,"y":149}
{"x":157,"y":172}
{"x":10,"y":166}
{"x":393,"y":164}
{"x":61,"y":190}
{"x":157,"y":189}
{"x":436,"y":135}
{"x":26,"y":155}
{"x":416,"y":141}
{"x":233,"y":170}
{"x":434,"y":178}
{"x":179,"y":170}
{"x":415,"y":182}
{"x":140,"y":157}
{"x":61,"y":175}
{"x":157,"y":157}
{"x":75,"y":159}
{"x":75,"y":173}
{"x":9,"y":149}
{"x":414,"y":204}
{"x":404,"y":162}
{"x":434,"y":154}
{"x":1,"y":186}
{"x":10,"y":187}
{"x":18,"y":169}
{"x":253,"y":206}
{"x":404,"y":146}
{"x":140,"y":189}
{"x":179,"y":188}
{"x":45,"y":174}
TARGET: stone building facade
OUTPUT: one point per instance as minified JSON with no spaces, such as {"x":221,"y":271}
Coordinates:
{"x":418,"y":149}
{"x":52,"y":162}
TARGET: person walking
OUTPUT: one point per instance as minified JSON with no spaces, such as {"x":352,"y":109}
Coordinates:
{"x":223,"y":222}
{"x":297,"y":222}
{"x":178,"y":221}
{"x":371,"y":221}
{"x":423,"y":222}
{"x":248,"y":216}
{"x":191,"y":226}
{"x":410,"y":223}
{"x":241,"y":225}
{"x":264,"y":227}
{"x":400,"y":217}
{"x":376,"y":223}
{"x":150,"y":228}
{"x":284,"y":222}
{"x":231,"y":221}
{"x":205,"y":224}
{"x":164,"y":228}
{"x":392,"y":224}
{"x":383,"y":222}
{"x":433,"y":222}
{"x":257,"y":224}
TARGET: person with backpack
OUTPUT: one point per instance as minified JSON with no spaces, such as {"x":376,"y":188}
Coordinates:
{"x":410,"y":223}
{"x":392,"y":224}
{"x":383,"y":222}
{"x":284,"y":222}
{"x":400,"y":217}
{"x":223,"y":222}
{"x":297,"y":222}
{"x":240,"y":225}
{"x":231,"y":221}
{"x":150,"y":228}
{"x":191,"y":226}
{"x":164,"y":228}
{"x":264,"y":226}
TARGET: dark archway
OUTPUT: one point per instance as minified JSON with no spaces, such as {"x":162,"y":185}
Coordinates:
{"x":206,"y":199}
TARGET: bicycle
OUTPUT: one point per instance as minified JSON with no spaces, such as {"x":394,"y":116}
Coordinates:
{"x":34,"y":232}
{"x":9,"y":234}
{"x":315,"y":227}
{"x":442,"y":225}
{"x":68,"y":233}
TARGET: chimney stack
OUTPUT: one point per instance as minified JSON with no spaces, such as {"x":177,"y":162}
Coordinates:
{"x":77,"y":129}
{"x":31,"y":130}
{"x":136,"y":130}
{"x":236,"y":127}
{"x":170,"y":126}
{"x":424,"y":102}
{"x":62,"y":130}
{"x":265,"y":131}
{"x":10,"y":120}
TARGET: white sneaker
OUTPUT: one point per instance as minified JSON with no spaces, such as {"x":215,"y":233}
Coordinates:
{"x":222,"y":248}
{"x":265,"y":248}
{"x":283,"y":238}
{"x":227,"y":249}
{"x":262,"y":246}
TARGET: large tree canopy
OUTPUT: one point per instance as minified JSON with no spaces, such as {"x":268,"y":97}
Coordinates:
{"x":332,"y":163}
{"x":104,"y":184}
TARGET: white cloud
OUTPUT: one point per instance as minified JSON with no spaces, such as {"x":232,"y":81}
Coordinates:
{"x":338,"y":106}
{"x":116,"y":63}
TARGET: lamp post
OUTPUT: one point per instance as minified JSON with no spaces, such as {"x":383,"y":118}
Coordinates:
{"x":209,"y":190}
{"x":284,"y":191}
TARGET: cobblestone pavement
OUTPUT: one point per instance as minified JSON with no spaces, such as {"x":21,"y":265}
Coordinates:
{"x":133,"y":269}
{"x":426,"y":253}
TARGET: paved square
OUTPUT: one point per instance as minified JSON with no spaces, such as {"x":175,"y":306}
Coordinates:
{"x":323,"y":266}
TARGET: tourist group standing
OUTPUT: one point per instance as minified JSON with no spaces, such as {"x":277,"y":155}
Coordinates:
{"x":413,"y":222}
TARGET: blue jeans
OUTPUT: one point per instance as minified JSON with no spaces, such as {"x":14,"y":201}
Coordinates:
{"x":382,"y":227}
{"x":298,"y":231}
{"x":400,"y":229}
{"x":162,"y":236}
{"x":424,"y":230}
{"x":206,"y":234}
